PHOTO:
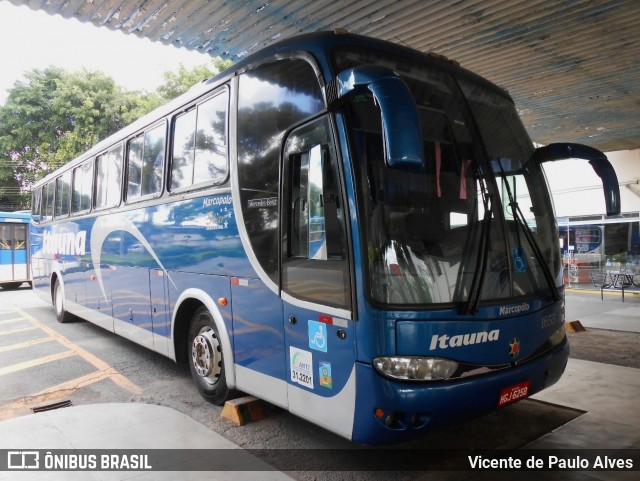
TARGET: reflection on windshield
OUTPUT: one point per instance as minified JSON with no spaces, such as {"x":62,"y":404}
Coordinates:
{"x":428,"y":237}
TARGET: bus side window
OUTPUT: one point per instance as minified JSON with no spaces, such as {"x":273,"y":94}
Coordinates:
{"x":134,"y":168}
{"x":35,"y":205}
{"x":108,"y":175}
{"x":200,"y":144}
{"x":315,"y":266}
{"x":184,"y":132}
{"x":153,"y":160}
{"x":82,"y":187}
{"x":145,"y":161}
{"x":48,"y":201}
{"x":63,"y":195}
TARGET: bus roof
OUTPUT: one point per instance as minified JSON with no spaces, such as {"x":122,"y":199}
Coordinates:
{"x":23,"y":215}
{"x":319,"y":45}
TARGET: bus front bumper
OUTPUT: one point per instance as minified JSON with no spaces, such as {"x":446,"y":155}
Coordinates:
{"x":388,"y":410}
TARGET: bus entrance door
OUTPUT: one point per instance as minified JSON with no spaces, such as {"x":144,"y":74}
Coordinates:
{"x":13,"y":254}
{"x":320,"y":365}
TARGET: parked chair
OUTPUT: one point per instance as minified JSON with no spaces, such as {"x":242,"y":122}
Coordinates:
{"x":602,"y":281}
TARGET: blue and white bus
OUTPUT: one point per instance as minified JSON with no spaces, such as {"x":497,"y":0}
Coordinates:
{"x":352,"y":230}
{"x":14,"y":249}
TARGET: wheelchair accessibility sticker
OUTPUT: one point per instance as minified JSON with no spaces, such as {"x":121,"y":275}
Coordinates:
{"x":318,"y":336}
{"x":519,"y":260}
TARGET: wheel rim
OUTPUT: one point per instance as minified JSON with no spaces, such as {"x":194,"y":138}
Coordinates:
{"x":205,"y":355}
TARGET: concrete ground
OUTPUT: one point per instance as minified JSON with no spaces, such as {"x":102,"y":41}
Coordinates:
{"x":601,"y":381}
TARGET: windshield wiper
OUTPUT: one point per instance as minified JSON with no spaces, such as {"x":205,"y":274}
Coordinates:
{"x":519,"y":218}
{"x":483,"y":254}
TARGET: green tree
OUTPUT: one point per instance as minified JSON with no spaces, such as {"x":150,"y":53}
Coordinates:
{"x":177,"y":83}
{"x":26,"y":131}
{"x":52,"y":116}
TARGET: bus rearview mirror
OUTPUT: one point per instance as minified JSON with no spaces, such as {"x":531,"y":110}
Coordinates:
{"x":400,"y":123}
{"x":597,"y":159}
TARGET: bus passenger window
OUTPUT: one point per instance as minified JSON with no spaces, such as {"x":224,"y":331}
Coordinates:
{"x":63,"y":194}
{"x":145,"y":160}
{"x":200,"y":144}
{"x":153,"y":160}
{"x":81,"y":192}
{"x":108,"y":174}
{"x":134,"y":169}
{"x":184,"y":133}
{"x":315,"y":264}
{"x":36,"y":204}
{"x":210,"y":163}
{"x":47,"y":201}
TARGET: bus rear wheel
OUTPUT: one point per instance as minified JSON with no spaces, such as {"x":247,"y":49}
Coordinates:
{"x":206,"y":362}
{"x":58,"y":303}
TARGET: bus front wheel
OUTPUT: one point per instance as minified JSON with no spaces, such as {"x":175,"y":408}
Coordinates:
{"x":58,"y":303}
{"x":205,"y":358}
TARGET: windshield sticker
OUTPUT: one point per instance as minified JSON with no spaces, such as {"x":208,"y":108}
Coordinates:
{"x":301,"y":367}
{"x":325,"y":375}
{"x":317,"y":336}
{"x":519,"y":260}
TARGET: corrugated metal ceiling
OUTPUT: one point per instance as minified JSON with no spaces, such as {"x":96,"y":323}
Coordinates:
{"x":572,"y":66}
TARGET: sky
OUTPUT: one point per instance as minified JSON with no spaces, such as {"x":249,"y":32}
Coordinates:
{"x":34,"y":40}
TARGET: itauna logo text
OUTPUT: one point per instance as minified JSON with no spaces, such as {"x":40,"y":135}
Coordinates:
{"x":444,"y":341}
{"x":65,"y":243}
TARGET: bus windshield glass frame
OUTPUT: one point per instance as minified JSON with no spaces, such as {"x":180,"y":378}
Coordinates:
{"x":450,"y":230}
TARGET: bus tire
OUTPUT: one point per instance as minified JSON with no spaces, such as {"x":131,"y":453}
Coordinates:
{"x":58,"y":303}
{"x":206,"y":362}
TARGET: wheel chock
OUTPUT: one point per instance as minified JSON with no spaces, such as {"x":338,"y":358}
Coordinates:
{"x":243,"y":410}
{"x":575,"y":326}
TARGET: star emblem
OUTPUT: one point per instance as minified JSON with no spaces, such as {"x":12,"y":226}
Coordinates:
{"x":514,"y":348}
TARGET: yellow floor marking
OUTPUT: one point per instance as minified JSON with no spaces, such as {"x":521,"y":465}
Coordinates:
{"x":21,"y":366}
{"x":52,"y":394}
{"x":14,"y":319}
{"x":597,"y":293}
{"x":16,"y":331}
{"x":98,"y":363}
{"x":25,"y":344}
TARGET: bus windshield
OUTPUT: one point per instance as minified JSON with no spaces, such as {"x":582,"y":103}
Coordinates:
{"x":476,"y":221}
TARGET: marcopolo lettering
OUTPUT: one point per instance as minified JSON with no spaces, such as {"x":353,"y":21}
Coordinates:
{"x":65,"y":243}
{"x":220,"y":200}
{"x":505,"y":310}
{"x":444,"y":341}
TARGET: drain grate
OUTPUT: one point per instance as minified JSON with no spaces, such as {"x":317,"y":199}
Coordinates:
{"x":51,"y":407}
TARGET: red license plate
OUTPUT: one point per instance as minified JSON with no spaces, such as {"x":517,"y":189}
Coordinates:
{"x":513,"y":393}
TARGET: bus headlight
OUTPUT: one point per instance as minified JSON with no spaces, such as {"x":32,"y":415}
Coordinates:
{"x":414,"y":368}
{"x":557,"y":337}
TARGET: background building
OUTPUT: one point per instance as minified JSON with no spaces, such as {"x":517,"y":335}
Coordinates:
{"x":590,"y":240}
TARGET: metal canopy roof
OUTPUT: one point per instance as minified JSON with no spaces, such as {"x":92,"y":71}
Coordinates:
{"x":572,"y":66}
